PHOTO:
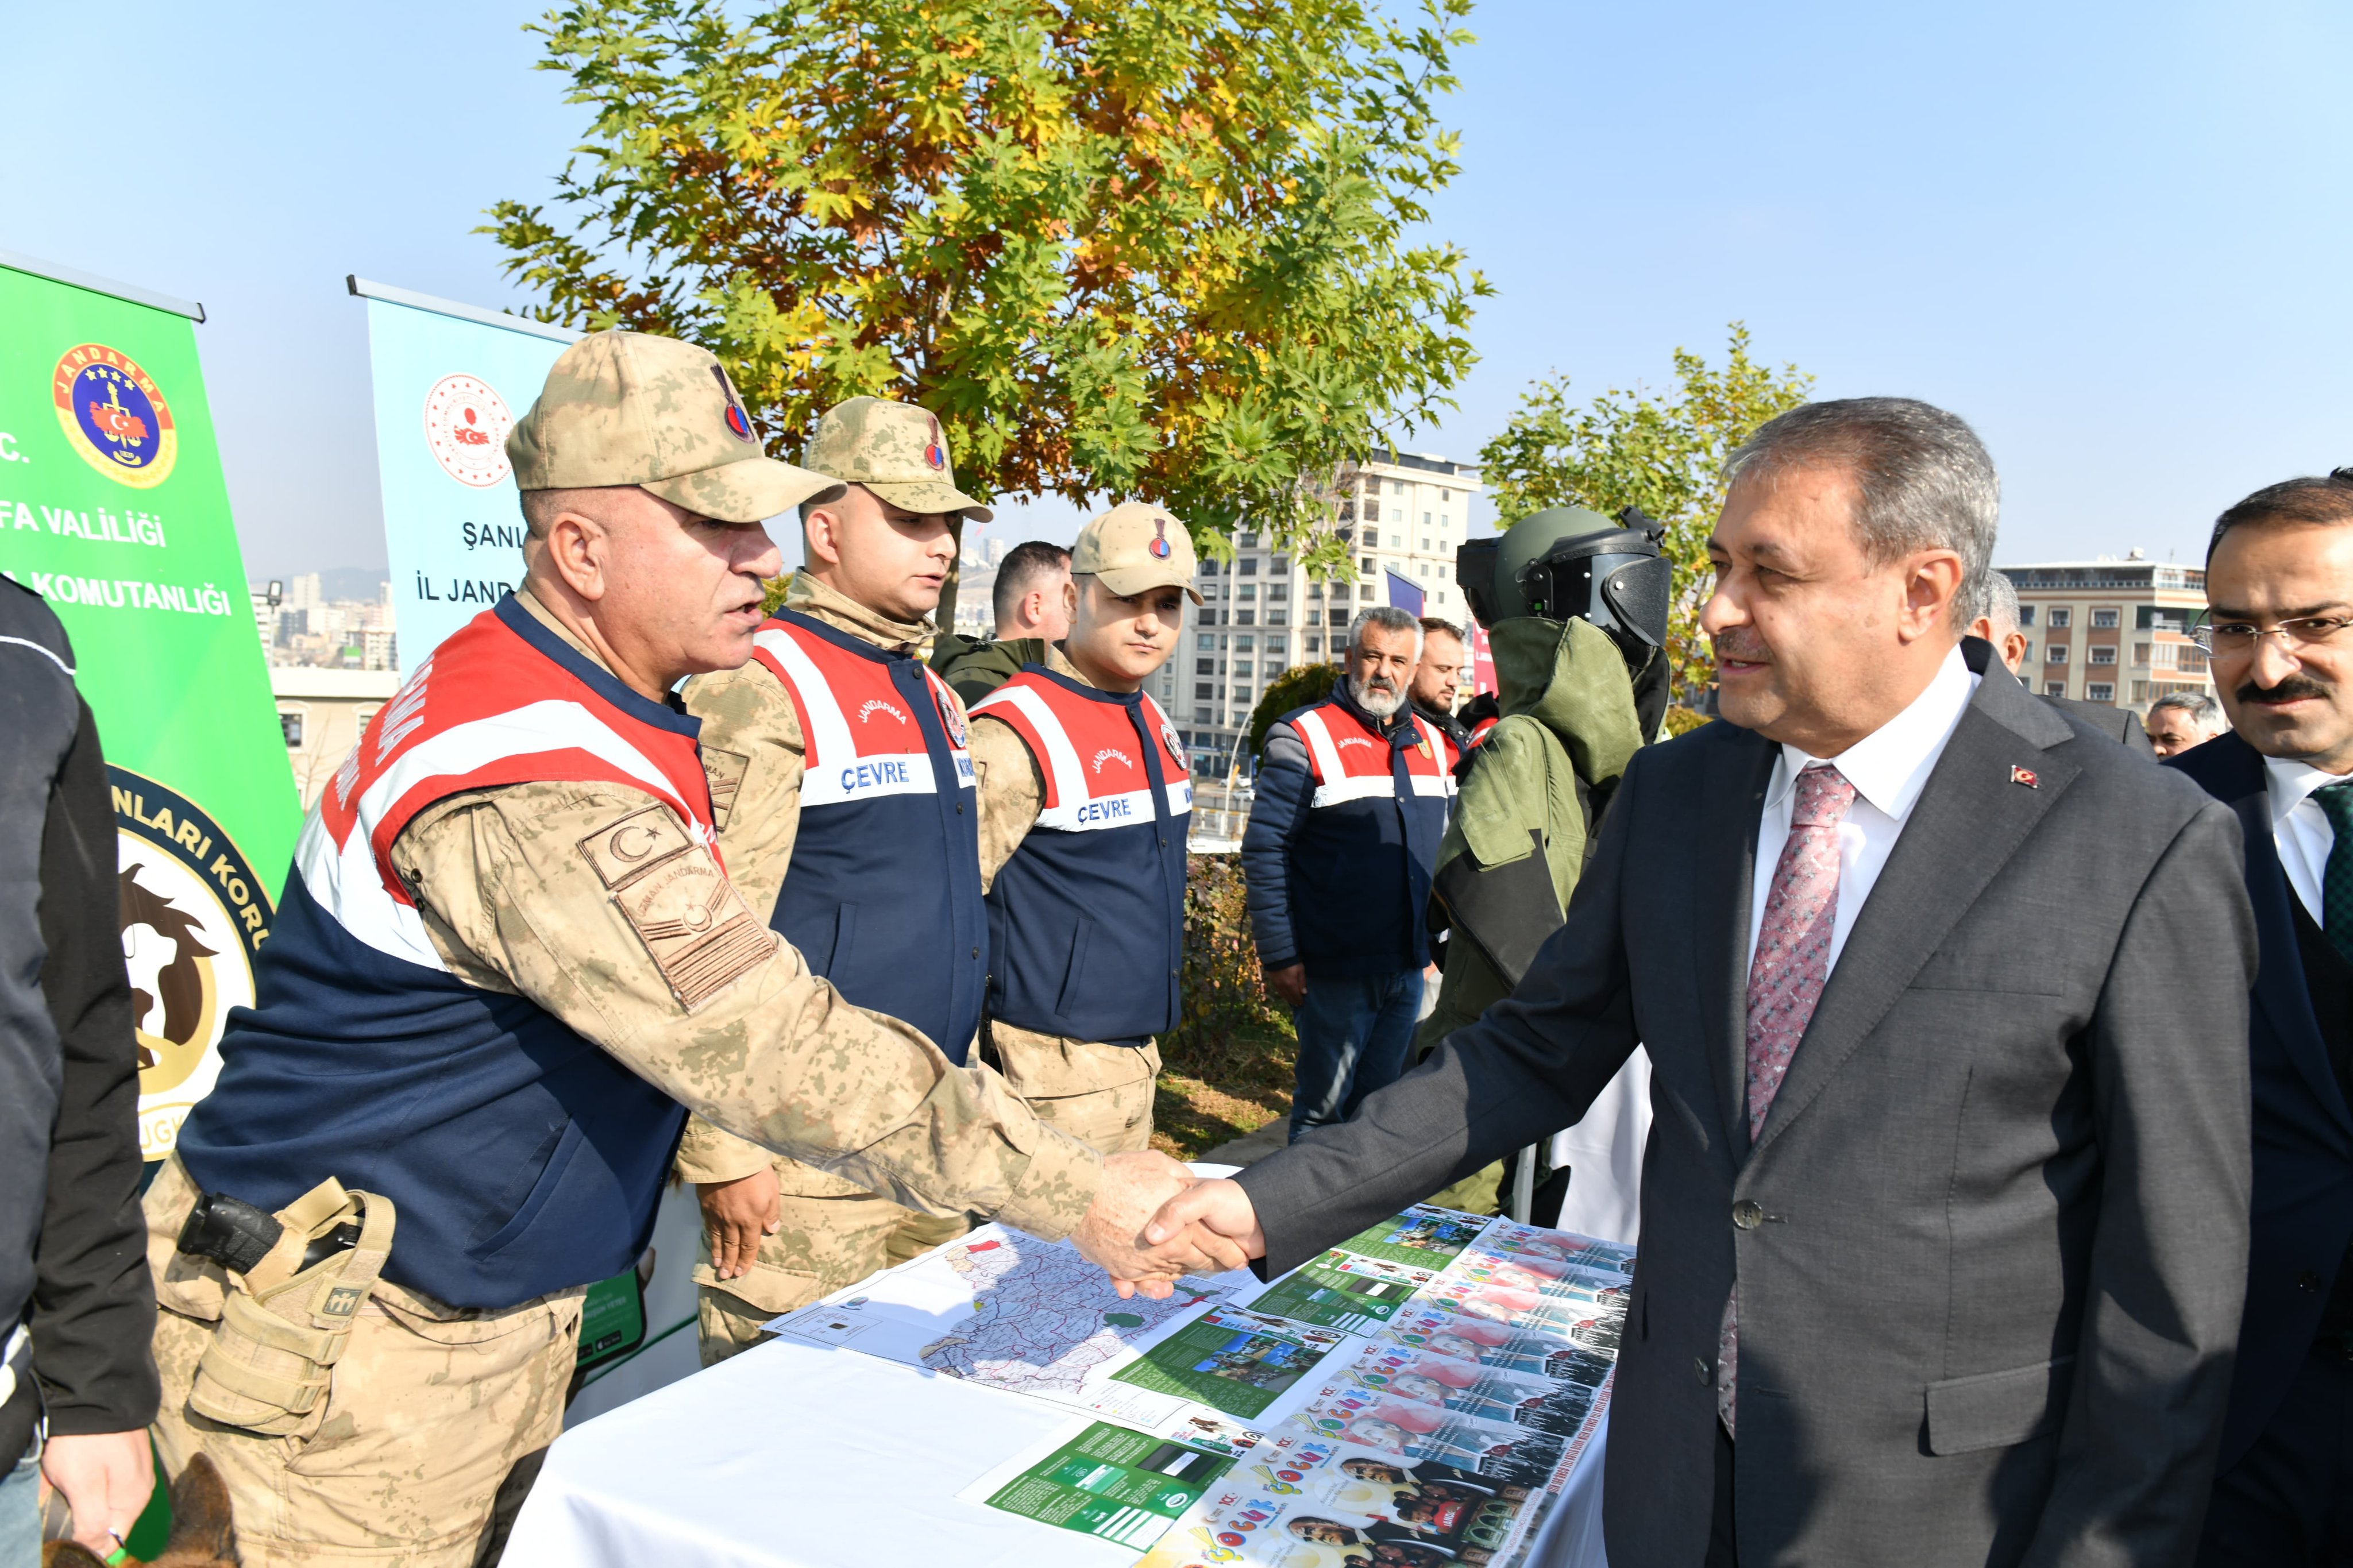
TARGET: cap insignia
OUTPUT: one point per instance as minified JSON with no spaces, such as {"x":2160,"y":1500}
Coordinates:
{"x":1160,"y":547}
{"x":937,"y":454}
{"x":738,"y":423}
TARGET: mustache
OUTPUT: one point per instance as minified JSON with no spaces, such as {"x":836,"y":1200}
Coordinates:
{"x":1742,"y":644}
{"x":2290,"y":689}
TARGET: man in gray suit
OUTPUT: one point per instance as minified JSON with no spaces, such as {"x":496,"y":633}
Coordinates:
{"x":1944,"y":1206}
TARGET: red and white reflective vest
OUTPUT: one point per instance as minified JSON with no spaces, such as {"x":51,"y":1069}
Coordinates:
{"x":1087,"y":920}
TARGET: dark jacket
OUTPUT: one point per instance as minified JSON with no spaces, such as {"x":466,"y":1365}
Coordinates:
{"x":73,"y":1258}
{"x":2117,"y":723}
{"x":973,"y":669}
{"x":1339,"y":887}
{"x":1990,"y":1240}
{"x":2303,"y":1217}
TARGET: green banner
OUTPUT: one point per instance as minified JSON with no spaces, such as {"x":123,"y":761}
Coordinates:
{"x":112,"y":508}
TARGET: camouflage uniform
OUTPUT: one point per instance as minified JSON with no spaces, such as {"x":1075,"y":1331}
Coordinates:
{"x":833,"y":1233}
{"x":1101,"y":1095}
{"x":430,"y":1407}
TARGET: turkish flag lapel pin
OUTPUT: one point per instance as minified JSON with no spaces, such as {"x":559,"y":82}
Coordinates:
{"x":2019,"y":775}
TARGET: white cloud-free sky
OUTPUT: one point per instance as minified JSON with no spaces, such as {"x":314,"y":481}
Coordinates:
{"x":2116,"y":237}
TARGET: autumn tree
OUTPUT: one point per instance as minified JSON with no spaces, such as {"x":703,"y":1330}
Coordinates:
{"x":1123,"y":250}
{"x":1664,"y":452}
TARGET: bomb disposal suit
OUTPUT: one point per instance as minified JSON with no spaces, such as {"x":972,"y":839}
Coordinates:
{"x":1086,"y":795}
{"x":1576,"y":611}
{"x":508,"y":961}
{"x":852,"y":824}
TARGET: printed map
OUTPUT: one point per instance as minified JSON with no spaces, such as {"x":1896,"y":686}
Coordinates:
{"x":1042,"y":1316}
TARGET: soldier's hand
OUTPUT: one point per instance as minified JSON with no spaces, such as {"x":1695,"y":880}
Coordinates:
{"x":1290,"y":982}
{"x":736,"y":1214}
{"x":1133,"y":1185}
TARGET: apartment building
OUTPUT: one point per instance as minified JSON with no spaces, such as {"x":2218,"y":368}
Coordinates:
{"x":2111,"y":630}
{"x":1260,"y":612}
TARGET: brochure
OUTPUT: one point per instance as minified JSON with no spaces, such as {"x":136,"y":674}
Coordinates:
{"x":1103,"y":1480}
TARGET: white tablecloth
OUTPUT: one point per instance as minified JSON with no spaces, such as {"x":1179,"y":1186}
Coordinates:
{"x":791,"y":1456}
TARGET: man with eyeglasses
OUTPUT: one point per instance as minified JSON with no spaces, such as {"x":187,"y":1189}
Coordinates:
{"x":2279,"y":578}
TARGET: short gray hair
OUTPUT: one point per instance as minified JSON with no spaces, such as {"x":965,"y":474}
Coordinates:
{"x":1389,"y":618}
{"x":1922,"y":479}
{"x":1995,"y":597}
{"x":2199,"y":707}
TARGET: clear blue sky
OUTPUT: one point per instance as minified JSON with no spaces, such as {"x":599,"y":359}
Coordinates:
{"x":2114,"y":237}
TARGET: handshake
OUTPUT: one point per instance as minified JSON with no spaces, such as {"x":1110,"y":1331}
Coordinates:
{"x":1153,"y":1220}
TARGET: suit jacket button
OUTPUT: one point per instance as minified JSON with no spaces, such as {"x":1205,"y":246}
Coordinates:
{"x":1699,"y":1369}
{"x":2307,"y":1280}
{"x":1748,"y":1214}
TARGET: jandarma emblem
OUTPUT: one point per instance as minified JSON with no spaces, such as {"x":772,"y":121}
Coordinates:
{"x":114,"y":416}
{"x":1160,"y":547}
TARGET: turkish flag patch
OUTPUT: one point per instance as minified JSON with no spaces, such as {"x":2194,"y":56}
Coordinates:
{"x":2024,"y":776}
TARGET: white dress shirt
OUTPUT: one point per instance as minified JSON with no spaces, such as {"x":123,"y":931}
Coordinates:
{"x":1888,"y":767}
{"x":2300,"y":828}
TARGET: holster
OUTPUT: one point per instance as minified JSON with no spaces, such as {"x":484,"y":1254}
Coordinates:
{"x":283,"y":1327}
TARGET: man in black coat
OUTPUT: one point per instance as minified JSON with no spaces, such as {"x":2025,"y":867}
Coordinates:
{"x":76,"y":1306}
{"x":1945,"y":1202}
{"x":2280,"y":582}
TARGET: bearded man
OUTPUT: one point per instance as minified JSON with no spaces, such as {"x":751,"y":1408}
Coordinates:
{"x":1352,"y":799}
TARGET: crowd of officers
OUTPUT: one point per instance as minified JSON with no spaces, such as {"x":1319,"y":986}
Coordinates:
{"x":635,"y":875}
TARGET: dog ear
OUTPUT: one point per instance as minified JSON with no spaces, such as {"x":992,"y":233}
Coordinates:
{"x":69,"y":1554}
{"x":202,"y":1528}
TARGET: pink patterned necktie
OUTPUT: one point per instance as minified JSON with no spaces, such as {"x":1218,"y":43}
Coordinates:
{"x":1786,"y":977}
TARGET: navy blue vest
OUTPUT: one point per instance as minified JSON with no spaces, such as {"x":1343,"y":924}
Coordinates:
{"x":1362,"y":857}
{"x":522,"y":1158}
{"x":1086,"y":921}
{"x":882,"y":897}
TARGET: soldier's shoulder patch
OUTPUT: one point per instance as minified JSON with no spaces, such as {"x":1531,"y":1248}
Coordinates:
{"x":696,"y":928}
{"x":725,"y":772}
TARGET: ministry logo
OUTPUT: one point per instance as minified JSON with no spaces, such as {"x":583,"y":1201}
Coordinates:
{"x":114,"y":416}
{"x":466,"y":426}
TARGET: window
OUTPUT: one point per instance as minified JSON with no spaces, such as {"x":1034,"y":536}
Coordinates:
{"x":1277,"y":643}
{"x":289,"y":724}
{"x":1364,"y":591}
{"x":1422,"y":570}
{"x":2028,"y":657}
{"x":1315,"y":590}
{"x":2104,"y":653}
{"x":1204,"y":666}
{"x":2055,"y":654}
{"x":1396,"y":514}
{"x":1314,"y":644}
{"x":1370,"y":568}
{"x":1278,"y":566}
{"x":2026,"y":614}
{"x":2141,"y":655}
{"x":1245,"y":642}
{"x":2059,"y":616}
{"x":1203,"y":639}
{"x":2104,"y":620}
{"x":1205,"y":715}
{"x":1425,"y":523}
{"x":1276,"y":592}
{"x":1243,"y":666}
{"x":2055,"y":688}
{"x":1245,"y":617}
{"x":1208,"y":567}
{"x":1278,"y":617}
{"x":1425,"y":538}
{"x":1249,"y":568}
{"x":1246,"y":542}
{"x":1273,"y":668}
{"x":1397,"y":487}
{"x":1202,"y":692}
{"x":2100,"y":691}
{"x":1249,"y":590}
{"x":1395,"y":542}
{"x":1339,"y":620}
{"x":1444,"y":521}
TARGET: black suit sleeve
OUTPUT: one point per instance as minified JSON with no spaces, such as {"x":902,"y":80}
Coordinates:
{"x":2170,"y":1088}
{"x":1528,"y":1067}
{"x":93,"y":1303}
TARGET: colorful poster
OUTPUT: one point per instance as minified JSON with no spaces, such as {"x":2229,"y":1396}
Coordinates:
{"x":451,"y":382}
{"x":112,"y":508}
{"x":1424,"y":1235}
{"x":1103,"y":1480}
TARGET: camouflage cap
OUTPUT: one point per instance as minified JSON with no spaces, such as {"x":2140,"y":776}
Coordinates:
{"x":1135,"y":546}
{"x":895,"y":449}
{"x":630,"y":408}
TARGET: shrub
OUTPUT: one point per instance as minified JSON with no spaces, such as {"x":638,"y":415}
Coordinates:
{"x":1224,"y":1002}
